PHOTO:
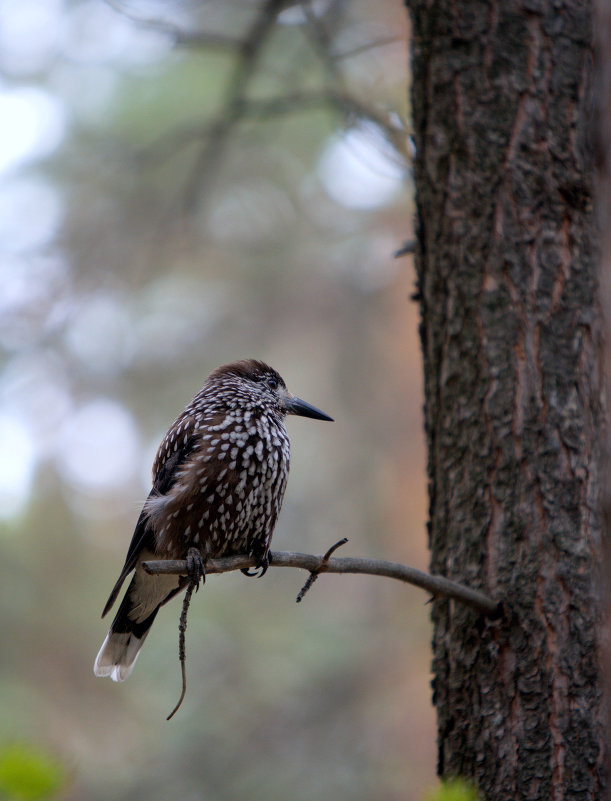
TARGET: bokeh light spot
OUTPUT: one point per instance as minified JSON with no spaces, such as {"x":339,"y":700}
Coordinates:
{"x":98,"y":334}
{"x":357,"y":172}
{"x":98,"y":447}
{"x":33,"y":126}
{"x":30,"y":214}
{"x":16,"y":465}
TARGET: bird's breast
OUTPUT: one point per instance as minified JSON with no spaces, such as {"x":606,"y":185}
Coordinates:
{"x":227,"y":495}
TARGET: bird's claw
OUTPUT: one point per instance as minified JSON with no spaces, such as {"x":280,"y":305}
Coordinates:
{"x":196,"y":567}
{"x":248,"y":572}
{"x":260,"y":568}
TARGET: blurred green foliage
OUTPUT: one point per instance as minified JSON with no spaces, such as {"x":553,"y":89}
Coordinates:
{"x":454,"y":790}
{"x":27,"y":773}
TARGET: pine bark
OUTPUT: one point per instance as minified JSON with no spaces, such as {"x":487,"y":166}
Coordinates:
{"x":511,"y":340}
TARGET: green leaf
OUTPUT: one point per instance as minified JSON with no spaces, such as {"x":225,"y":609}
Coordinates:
{"x":29,"y":774}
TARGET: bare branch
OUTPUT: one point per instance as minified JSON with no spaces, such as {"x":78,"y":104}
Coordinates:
{"x":213,"y":136}
{"x":321,"y":36}
{"x":283,"y":104}
{"x":436,"y":585}
{"x":175,"y":33}
{"x":365,"y":47}
{"x":249,"y":51}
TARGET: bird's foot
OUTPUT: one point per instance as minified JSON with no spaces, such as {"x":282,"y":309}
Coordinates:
{"x":196,"y":567}
{"x":260,"y":568}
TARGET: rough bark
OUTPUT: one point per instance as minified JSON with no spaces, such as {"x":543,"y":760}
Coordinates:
{"x":602,"y":27}
{"x":510,"y":332}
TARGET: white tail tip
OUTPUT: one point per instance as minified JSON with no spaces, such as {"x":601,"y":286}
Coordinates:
{"x":117,"y":656}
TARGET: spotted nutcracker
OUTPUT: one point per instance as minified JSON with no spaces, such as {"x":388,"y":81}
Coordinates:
{"x":218,"y":482}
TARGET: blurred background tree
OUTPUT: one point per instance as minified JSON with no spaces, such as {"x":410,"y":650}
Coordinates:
{"x":183,"y":184}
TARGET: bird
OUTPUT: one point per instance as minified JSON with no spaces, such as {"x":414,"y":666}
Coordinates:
{"x":219,"y":479}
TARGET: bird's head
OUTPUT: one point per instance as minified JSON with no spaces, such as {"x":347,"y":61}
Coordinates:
{"x":265,"y":387}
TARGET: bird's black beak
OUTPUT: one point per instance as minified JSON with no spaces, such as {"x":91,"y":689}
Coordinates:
{"x":303,"y":409}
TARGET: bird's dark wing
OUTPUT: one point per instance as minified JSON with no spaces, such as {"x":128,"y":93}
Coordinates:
{"x":143,"y":536}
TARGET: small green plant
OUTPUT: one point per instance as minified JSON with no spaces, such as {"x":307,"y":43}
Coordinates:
{"x":27,"y":773}
{"x":454,"y":790}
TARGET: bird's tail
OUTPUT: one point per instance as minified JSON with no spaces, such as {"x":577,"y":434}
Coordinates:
{"x":144,"y":596}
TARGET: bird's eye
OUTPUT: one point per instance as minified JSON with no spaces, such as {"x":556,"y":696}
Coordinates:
{"x":272,"y":383}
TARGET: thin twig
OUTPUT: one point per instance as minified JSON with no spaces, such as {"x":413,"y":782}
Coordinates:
{"x":169,"y":144}
{"x":316,"y":573}
{"x":406,"y":249}
{"x":182,"y":627}
{"x":175,"y":33}
{"x":363,"y":48}
{"x":436,"y":585}
{"x":321,"y":37}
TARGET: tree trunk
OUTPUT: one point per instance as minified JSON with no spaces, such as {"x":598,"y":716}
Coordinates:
{"x":511,"y":337}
